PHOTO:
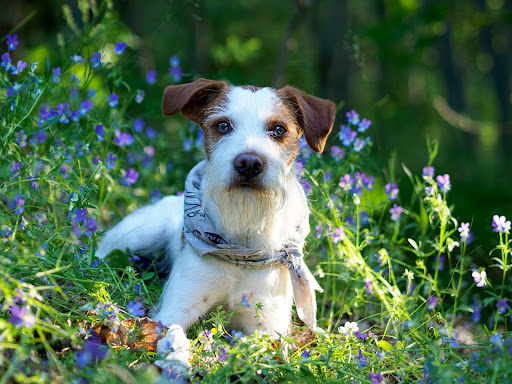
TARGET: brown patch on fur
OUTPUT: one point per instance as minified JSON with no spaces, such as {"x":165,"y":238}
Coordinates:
{"x":211,"y":135}
{"x":251,"y":88}
{"x":286,"y":117}
{"x":314,"y":115}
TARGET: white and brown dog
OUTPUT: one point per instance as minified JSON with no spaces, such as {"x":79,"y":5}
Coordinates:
{"x":241,"y":225}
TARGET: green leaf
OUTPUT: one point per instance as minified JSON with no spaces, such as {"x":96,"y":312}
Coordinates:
{"x":147,"y":275}
{"x":385,"y":345}
{"x":413,"y":244}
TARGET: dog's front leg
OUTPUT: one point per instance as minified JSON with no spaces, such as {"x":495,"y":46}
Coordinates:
{"x":196,"y":284}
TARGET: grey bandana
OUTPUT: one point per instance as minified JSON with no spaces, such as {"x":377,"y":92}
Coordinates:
{"x":203,"y":238}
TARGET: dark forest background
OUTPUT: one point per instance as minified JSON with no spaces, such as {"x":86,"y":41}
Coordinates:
{"x":416,"y":68}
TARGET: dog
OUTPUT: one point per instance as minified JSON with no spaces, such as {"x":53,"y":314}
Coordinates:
{"x":238,"y":231}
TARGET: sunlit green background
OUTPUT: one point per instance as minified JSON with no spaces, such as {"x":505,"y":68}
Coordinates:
{"x":415,"y":68}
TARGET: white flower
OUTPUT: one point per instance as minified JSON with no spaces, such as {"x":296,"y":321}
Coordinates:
{"x":479,"y":277}
{"x":452,"y":244}
{"x":349,"y":328}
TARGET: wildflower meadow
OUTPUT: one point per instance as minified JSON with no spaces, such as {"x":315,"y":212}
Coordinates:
{"x":404,"y":299}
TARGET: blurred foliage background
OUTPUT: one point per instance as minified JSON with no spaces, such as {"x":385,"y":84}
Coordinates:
{"x":416,"y":68}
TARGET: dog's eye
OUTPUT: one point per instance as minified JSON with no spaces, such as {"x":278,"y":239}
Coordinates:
{"x":223,"y":127}
{"x":278,"y":131}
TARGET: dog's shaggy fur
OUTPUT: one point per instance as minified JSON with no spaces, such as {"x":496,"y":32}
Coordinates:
{"x":253,"y":200}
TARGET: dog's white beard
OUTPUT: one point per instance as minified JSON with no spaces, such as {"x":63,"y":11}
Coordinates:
{"x":246,"y":216}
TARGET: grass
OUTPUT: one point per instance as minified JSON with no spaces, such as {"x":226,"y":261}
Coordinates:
{"x":398,"y":266}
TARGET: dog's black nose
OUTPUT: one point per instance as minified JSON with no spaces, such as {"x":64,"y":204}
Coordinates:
{"x":248,"y":165}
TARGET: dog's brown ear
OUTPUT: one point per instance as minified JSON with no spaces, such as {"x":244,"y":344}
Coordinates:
{"x":191,"y":99}
{"x":315,"y":115}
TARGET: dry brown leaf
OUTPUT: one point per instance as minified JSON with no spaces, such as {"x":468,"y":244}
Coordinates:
{"x":140,"y":333}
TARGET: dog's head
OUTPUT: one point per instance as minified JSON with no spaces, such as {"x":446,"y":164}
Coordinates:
{"x":251,"y":134}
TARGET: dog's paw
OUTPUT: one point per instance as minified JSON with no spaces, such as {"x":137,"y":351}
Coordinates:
{"x":175,"y":348}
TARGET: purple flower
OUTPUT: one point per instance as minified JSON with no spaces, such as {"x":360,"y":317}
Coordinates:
{"x":100,"y":133}
{"x":33,"y":184}
{"x":12,"y":41}
{"x":56,"y":75}
{"x":222,"y":355}
{"x":306,"y":186}
{"x":428,"y":172}
{"x":138,"y":125}
{"x":477,"y":311}
{"x":63,"y":112}
{"x":450,"y":340}
{"x":110,"y":161}
{"x":174,"y":61}
{"x":464,"y":231}
{"x":306,"y":354}
{"x":377,"y":378}
{"x":500,"y":224}
{"x":119,"y":48}
{"x":337,"y":153}
{"x":206,"y":340}
{"x":75,"y":116}
{"x":113,"y":100}
{"x":93,"y":350}
{"x":188,"y":145}
{"x":392,"y":191}
{"x":85,"y":107}
{"x":123,"y":139}
{"x":432,"y":302}
{"x":479,"y":277}
{"x":502,"y":306}
{"x":396,"y":211}
{"x":73,"y":197}
{"x":368,"y":283}
{"x":367,"y":181}
{"x":346,"y":135}
{"x":20,"y":66}
{"x":17,"y":204}
{"x":318,"y":229}
{"x":441,"y":263}
{"x":364,"y":125}
{"x":139,"y":97}
{"x":151,"y":133}
{"x":346,"y":182}
{"x":353,"y":117}
{"x":78,"y":214}
{"x":77,"y":59}
{"x":443,"y":182}
{"x":15,"y":169}
{"x":361,"y":360}
{"x":175,"y":69}
{"x":38,"y":137}
{"x":244,"y":301}
{"x":87,"y":228}
{"x":21,"y":139}
{"x":135,"y":308}
{"x":130,"y":177}
{"x":361,"y":336}
{"x":22,"y":316}
{"x":95,"y":60}
{"x":151,"y":77}
{"x":6,"y":61}
{"x":429,"y":191}
{"x":337,"y":235}
{"x":359,"y":144}
{"x":497,"y":342}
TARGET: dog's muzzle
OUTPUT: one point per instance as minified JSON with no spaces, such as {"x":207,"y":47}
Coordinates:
{"x":248,"y":166}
